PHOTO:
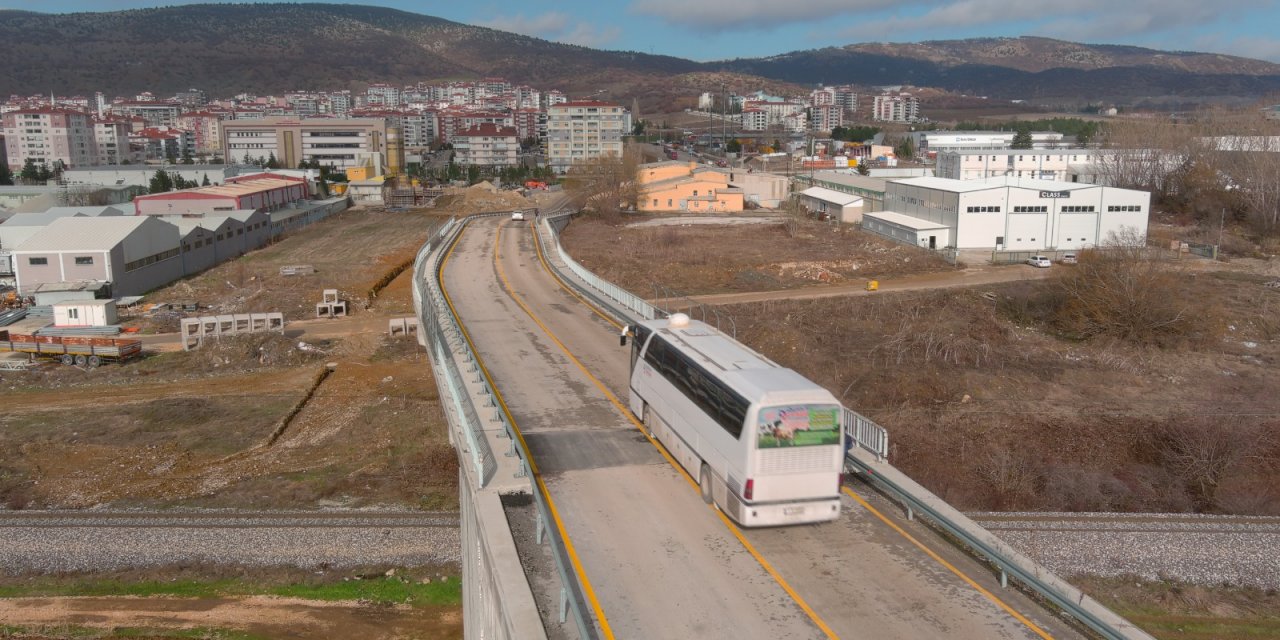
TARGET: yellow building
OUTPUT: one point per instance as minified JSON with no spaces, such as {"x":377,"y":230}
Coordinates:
{"x":360,"y":173}
{"x":684,"y":186}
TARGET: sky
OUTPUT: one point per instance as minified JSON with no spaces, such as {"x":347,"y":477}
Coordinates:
{"x":720,"y":29}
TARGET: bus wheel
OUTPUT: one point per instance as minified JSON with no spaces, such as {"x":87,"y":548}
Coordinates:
{"x":704,"y":483}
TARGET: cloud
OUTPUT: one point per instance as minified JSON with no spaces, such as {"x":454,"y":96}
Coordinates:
{"x":556,"y":26}
{"x":721,"y":15}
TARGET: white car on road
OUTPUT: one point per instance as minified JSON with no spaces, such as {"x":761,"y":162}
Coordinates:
{"x":517,"y":215}
{"x":1038,"y":261}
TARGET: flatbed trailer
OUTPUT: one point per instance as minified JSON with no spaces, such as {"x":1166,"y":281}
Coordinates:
{"x":83,"y":351}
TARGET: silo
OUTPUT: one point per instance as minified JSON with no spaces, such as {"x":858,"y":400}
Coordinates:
{"x":395,"y":152}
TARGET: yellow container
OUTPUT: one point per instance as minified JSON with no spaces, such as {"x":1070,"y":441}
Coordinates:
{"x":339,"y":188}
{"x":873,"y":285}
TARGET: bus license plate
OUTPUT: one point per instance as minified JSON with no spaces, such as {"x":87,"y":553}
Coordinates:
{"x":792,"y":511}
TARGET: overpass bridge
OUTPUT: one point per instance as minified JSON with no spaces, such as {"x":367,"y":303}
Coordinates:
{"x":577,"y":524}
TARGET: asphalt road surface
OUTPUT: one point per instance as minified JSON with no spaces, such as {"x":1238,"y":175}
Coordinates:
{"x":662,"y":563}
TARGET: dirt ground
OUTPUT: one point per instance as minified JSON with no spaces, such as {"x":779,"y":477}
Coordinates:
{"x":350,"y":252}
{"x":1174,"y":611}
{"x":704,"y":259}
{"x":993,"y":408}
{"x":195,"y":428}
{"x":239,"y":617}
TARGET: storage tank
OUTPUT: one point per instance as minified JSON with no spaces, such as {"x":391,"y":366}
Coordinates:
{"x":395,"y":151}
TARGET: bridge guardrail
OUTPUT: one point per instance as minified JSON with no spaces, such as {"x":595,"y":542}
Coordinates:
{"x":986,"y":545}
{"x":873,"y":439}
{"x":448,"y":343}
{"x":629,"y":301}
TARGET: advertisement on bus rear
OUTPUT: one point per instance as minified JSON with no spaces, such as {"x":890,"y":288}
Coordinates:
{"x":798,"y":426}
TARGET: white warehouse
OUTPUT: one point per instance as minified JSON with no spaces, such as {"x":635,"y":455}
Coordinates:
{"x":1007,"y":214}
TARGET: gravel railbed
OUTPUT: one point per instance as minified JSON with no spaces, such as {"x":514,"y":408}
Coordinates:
{"x":1207,"y":550}
{"x":51,"y":542}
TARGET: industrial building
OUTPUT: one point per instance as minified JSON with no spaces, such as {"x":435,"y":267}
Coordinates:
{"x":140,"y":175}
{"x":684,"y":186}
{"x":134,"y":253}
{"x":1041,"y":164}
{"x":930,"y":143}
{"x":339,"y":143}
{"x":1008,"y":214}
{"x":252,"y":192}
{"x":842,"y":207}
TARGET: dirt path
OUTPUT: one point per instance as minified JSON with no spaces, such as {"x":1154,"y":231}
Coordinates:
{"x":259,"y":615}
{"x":960,"y":278}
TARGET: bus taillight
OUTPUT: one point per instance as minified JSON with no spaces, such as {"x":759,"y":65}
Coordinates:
{"x":749,"y":489}
{"x":839,"y":481}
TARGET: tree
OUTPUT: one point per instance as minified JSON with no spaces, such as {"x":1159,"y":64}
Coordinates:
{"x":606,"y":184}
{"x":473,"y":174}
{"x":161,"y":182}
{"x":272,"y":163}
{"x":733,"y":146}
{"x":44,"y":174}
{"x":171,"y":153}
{"x":247,"y":159}
{"x":863,"y":169}
{"x":205,"y":182}
{"x":6,"y":174}
{"x":186,"y":157}
{"x":905,"y":149}
{"x":1021,"y":139}
{"x":30,"y":171}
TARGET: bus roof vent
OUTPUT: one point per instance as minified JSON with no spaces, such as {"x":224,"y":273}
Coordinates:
{"x":679,"y":320}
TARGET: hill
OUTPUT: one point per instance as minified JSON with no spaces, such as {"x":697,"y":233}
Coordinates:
{"x":269,"y":48}
{"x":229,"y":48}
{"x":1026,"y":68}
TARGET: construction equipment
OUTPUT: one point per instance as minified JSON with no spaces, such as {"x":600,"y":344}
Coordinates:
{"x":77,"y":350}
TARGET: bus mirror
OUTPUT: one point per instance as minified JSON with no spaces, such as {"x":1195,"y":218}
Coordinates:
{"x":622,"y":337}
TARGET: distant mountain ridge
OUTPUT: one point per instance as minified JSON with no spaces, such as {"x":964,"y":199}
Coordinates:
{"x":270,"y":48}
{"x":1034,"y":54}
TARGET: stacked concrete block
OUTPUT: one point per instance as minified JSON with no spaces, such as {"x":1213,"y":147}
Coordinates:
{"x":331,"y":307}
{"x":195,"y":330}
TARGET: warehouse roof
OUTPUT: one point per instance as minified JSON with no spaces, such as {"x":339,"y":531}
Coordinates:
{"x":83,"y":234}
{"x":829,"y":195}
{"x":904,"y":220}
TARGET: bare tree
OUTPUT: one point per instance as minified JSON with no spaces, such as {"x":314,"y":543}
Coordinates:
{"x":1118,"y":290}
{"x":606,"y":184}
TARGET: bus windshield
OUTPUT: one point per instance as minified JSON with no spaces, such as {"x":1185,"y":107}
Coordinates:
{"x":801,"y":425}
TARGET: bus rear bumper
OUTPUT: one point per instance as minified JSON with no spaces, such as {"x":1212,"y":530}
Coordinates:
{"x":778,"y":515}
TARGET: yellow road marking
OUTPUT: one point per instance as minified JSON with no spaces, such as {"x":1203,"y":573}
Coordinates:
{"x":626,"y":413}
{"x":588,"y":590}
{"x":990,"y":596}
{"x":537,"y":246}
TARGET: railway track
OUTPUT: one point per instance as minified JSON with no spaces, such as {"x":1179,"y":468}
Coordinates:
{"x":1199,"y":549}
{"x":65,"y":541}
{"x":228,"y":519}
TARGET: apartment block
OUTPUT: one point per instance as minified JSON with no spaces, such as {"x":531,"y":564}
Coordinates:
{"x":901,"y":108}
{"x":583,"y":130}
{"x":49,"y":135}
{"x":487,"y":145}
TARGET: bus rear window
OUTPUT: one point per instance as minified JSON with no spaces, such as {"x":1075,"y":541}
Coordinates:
{"x":798,"y":426}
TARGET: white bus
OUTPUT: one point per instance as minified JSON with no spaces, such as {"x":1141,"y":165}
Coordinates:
{"x":764,"y":442}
